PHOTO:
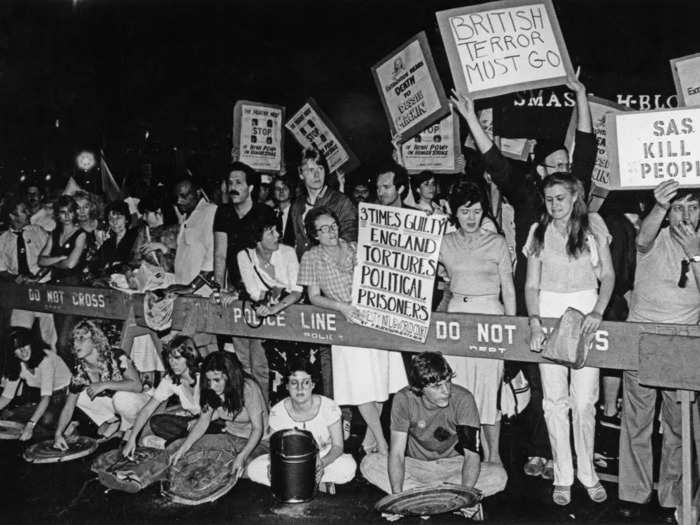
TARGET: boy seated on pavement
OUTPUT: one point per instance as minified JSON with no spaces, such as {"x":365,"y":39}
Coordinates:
{"x":434,"y":436}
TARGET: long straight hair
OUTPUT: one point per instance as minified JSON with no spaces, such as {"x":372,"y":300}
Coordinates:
{"x":38,"y":352}
{"x":578,"y":221}
{"x":229,"y":365}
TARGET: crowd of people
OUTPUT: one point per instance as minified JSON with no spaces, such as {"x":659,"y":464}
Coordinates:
{"x":291,"y":238}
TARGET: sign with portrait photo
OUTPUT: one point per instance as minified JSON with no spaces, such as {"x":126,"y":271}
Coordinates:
{"x":435,"y":148}
{"x":257,"y":135}
{"x":410,"y":89}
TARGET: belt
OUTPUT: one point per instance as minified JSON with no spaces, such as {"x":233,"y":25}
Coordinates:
{"x":470,"y":298}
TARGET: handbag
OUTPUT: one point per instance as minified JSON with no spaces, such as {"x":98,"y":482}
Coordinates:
{"x":515,"y":394}
{"x":565,"y":345}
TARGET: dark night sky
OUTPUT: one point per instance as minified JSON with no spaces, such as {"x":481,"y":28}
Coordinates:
{"x":111,"y":70}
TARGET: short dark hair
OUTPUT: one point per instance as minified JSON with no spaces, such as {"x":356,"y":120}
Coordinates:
{"x":400,"y":175}
{"x":418,"y":179}
{"x":187,"y":348}
{"x":258,"y":228}
{"x":317,"y":156}
{"x":310,"y":222}
{"x":66,"y":201}
{"x":118,"y":208}
{"x":252,"y":177}
{"x":427,"y":368}
{"x":300,"y":363}
{"x":20,"y":337}
{"x":11,"y":205}
{"x":693,"y":193}
{"x":468,"y":193}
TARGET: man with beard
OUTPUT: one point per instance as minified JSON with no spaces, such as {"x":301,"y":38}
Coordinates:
{"x":392,"y":185}
{"x":234,"y":229}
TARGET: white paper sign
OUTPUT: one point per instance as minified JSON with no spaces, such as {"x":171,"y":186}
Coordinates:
{"x":397,"y":253}
{"x":433,"y":149}
{"x":686,"y":75}
{"x":257,"y":135}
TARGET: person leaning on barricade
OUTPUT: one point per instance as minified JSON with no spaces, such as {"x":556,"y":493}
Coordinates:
{"x":105,"y":385}
{"x":114,"y":255}
{"x":665,"y":291}
{"x":434,"y":436}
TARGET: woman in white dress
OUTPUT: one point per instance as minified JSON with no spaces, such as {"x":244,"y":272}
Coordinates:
{"x":363,"y":377}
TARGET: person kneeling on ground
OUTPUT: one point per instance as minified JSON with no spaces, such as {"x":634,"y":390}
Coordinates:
{"x":105,"y":385}
{"x":182,"y":362}
{"x":319,"y":415}
{"x":440,"y":423}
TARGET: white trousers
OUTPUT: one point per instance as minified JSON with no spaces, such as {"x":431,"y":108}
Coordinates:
{"x":25,"y":319}
{"x":125,"y":405}
{"x":564,"y":389}
{"x":342,"y":470}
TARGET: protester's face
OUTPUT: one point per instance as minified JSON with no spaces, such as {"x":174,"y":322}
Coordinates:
{"x":556,"y":162}
{"x":117,"y":222}
{"x":327,"y":230}
{"x":312,"y":174}
{"x":264,"y":193}
{"x":33,"y":196}
{"x":300,"y":386}
{"x":469,"y":216}
{"x":684,"y":211}
{"x":216,"y":380}
{"x":360,"y":193}
{"x":186,"y":197}
{"x":387,"y":192}
{"x":153,"y":218}
{"x":427,"y":190}
{"x":282,"y":193}
{"x":23,"y":353}
{"x":20,"y":215}
{"x":237,"y":187}
{"x":65,"y":215}
{"x":438,"y":394}
{"x":83,"y":209}
{"x":177,"y":362}
{"x":270,"y":240}
{"x":559,"y":201}
{"x":83,"y":345}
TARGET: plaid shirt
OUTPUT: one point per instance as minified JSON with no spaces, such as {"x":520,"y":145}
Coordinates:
{"x":335,"y":279}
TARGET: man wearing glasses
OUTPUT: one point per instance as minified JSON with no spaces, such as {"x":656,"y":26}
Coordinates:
{"x":434,"y":436}
{"x":665,"y":291}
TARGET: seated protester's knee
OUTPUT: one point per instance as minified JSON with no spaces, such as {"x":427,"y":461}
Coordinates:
{"x":342,"y":469}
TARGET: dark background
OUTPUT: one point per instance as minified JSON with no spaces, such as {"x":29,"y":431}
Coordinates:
{"x":109,"y":71}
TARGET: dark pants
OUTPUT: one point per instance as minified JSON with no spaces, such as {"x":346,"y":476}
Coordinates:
{"x":171,"y":427}
{"x":46,"y":425}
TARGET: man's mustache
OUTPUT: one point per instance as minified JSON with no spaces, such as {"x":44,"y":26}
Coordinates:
{"x":234,"y":192}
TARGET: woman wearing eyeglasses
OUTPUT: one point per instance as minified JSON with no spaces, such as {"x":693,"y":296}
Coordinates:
{"x":319,"y":415}
{"x":363,"y":377}
{"x":568,"y":255}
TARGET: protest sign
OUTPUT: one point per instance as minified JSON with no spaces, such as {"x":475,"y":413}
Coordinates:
{"x":313,"y":129}
{"x":647,"y":148}
{"x":435,"y":148}
{"x":504,"y":47}
{"x":257,"y":135}
{"x":686,"y":77}
{"x":397,"y":253}
{"x":410,"y":89}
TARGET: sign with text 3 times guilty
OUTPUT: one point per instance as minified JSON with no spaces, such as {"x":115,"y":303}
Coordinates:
{"x":504,"y":47}
{"x":397,"y":253}
{"x":257,"y":135}
{"x":313,"y":129}
{"x":646,"y":148}
{"x":409,"y":87}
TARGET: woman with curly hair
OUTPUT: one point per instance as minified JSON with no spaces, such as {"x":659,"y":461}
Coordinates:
{"x":232,"y":403}
{"x":568,"y":265}
{"x":182,"y":361}
{"x":105,"y":385}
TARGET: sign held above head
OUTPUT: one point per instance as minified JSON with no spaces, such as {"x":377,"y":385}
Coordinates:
{"x":686,"y":77}
{"x":504,"y":47}
{"x":258,"y":140}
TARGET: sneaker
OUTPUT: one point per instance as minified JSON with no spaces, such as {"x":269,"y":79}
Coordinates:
{"x":548,"y":471}
{"x":561,"y":495}
{"x":534,"y":466}
{"x":597,"y":493}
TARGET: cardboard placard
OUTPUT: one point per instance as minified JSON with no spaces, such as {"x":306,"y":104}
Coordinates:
{"x":647,"y":148}
{"x":410,"y":88}
{"x":312,"y":128}
{"x":504,"y":47}
{"x":257,"y":135}
{"x":686,"y":77}
{"x":435,"y":148}
{"x":397,"y":253}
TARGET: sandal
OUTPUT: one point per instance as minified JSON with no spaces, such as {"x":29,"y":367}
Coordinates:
{"x":597,"y":493}
{"x":561,"y":495}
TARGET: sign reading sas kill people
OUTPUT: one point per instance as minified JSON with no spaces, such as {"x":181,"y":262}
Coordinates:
{"x":647,"y":148}
{"x":435,"y":148}
{"x":686,"y":77}
{"x":313,"y":129}
{"x":257,"y":135}
{"x":397,"y":253}
{"x":504,"y":47}
{"x":409,"y":87}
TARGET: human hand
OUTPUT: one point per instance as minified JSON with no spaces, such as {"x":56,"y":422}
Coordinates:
{"x":319,"y":469}
{"x":665,"y":192}
{"x":28,"y":432}
{"x":351,"y":313}
{"x":537,"y":338}
{"x":59,"y":443}
{"x":238,"y":467}
{"x":590,"y":324}
{"x":461,"y":163}
{"x":575,"y":85}
{"x":228,"y":298}
{"x":176,"y":456}
{"x":463,"y":104}
{"x":129,"y":448}
{"x":687,"y":237}
{"x":263,"y":310}
{"x":153,"y":246}
{"x":95,"y":389}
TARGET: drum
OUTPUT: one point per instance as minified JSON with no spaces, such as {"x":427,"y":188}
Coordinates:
{"x":131,"y":474}
{"x":293,"y":455}
{"x":10,"y":429}
{"x":429,"y":500}
{"x":43,"y":452}
{"x":204,"y":473}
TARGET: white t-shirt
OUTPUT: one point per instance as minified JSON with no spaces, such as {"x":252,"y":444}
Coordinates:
{"x":50,"y":375}
{"x":284,"y":261}
{"x":328,"y":413}
{"x":188,"y":400}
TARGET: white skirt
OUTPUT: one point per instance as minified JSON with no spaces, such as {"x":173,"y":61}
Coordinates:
{"x":362,"y":375}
